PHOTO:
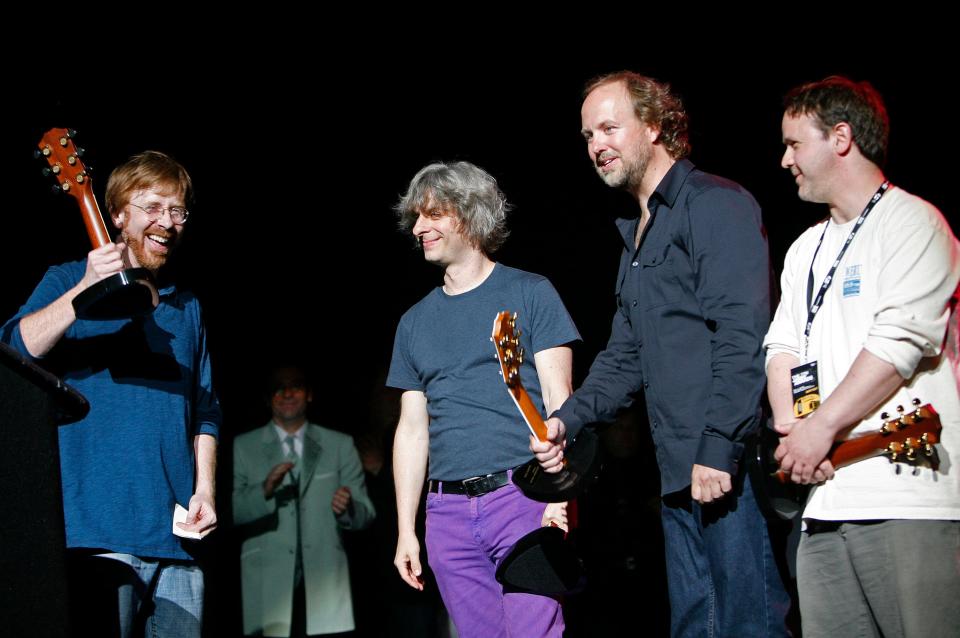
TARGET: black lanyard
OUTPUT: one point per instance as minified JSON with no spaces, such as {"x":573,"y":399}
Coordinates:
{"x":813,"y":306}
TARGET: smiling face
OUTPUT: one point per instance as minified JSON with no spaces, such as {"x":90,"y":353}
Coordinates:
{"x":290,"y":397}
{"x":619,"y":145}
{"x":149,"y":242}
{"x":439,"y":231}
{"x":810,"y":157}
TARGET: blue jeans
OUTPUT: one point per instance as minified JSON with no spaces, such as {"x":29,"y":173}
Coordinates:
{"x":721,"y":573}
{"x":147,"y":597}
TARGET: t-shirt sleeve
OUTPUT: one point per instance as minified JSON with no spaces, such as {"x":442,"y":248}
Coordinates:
{"x":403,"y":373}
{"x":551,"y":324}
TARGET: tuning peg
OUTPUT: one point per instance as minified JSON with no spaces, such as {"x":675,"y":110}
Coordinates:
{"x":72,"y":132}
{"x":81,"y":151}
{"x":893,"y":450}
{"x":37,"y":154}
{"x":884,"y":415}
{"x":56,"y":189}
{"x":46,"y":171}
{"x":81,"y":178}
{"x":912,"y":454}
{"x":916,"y":401}
{"x":928,"y":450}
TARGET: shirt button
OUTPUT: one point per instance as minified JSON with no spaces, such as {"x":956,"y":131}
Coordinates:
{"x":645,"y":385}
{"x":635,"y":264}
{"x":634,"y":303}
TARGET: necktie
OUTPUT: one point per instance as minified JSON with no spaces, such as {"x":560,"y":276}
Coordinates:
{"x":290,"y":454}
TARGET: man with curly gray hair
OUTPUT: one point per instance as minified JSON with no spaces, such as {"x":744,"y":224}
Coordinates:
{"x":457,"y":414}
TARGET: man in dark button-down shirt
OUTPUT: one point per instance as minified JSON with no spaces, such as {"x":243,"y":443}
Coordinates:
{"x":693,"y":307}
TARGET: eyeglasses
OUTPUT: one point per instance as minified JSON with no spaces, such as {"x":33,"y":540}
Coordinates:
{"x":178,"y":214}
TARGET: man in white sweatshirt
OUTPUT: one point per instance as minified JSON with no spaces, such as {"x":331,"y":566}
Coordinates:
{"x":866,"y":323}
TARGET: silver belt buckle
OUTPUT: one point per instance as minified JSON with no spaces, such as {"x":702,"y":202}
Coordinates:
{"x":475,"y":486}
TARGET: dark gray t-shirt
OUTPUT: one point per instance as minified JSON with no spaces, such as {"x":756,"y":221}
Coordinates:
{"x":443,"y":349}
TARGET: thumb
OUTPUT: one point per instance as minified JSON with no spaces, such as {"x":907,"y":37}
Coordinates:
{"x":783,"y":428}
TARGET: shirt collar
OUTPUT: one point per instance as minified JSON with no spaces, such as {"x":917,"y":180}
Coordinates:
{"x":666,"y":192}
{"x":282,"y":434}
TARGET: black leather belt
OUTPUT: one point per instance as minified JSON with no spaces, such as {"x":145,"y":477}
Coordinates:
{"x":476,"y":486}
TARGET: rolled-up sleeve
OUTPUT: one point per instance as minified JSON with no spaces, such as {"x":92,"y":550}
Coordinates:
{"x":917,"y":287}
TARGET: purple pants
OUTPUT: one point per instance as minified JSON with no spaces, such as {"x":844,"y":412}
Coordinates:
{"x":466,"y":540}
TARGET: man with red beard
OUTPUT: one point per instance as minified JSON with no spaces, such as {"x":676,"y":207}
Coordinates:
{"x":149,"y":441}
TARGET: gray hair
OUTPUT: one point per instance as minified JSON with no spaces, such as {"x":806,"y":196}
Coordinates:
{"x":478,"y":202}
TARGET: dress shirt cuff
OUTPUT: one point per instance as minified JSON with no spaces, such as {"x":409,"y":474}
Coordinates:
{"x":719,"y":453}
{"x":570,"y":421}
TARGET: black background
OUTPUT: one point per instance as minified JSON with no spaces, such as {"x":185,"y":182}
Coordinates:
{"x":298,"y":153}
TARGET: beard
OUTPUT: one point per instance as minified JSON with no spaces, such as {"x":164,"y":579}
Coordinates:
{"x":631,"y":170}
{"x":146,"y":259}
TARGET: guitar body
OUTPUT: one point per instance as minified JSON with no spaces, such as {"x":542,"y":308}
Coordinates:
{"x":776,"y":498}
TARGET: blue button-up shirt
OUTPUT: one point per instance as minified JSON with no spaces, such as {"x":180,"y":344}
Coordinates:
{"x":693,"y":307}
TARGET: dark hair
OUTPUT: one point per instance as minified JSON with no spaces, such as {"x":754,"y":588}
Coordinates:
{"x":838,"y":99}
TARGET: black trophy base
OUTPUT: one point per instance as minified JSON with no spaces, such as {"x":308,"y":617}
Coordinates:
{"x":128,"y":293}
{"x":542,"y":562}
{"x":580,"y":470}
{"x":777,"y":499}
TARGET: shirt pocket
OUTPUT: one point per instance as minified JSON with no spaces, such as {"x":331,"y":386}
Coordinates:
{"x":660,"y":284}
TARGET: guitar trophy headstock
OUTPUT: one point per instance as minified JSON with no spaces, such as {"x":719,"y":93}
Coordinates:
{"x":124,"y":294}
{"x":911,"y":436}
{"x":581,"y":462}
{"x":64,"y":164}
{"x":506,"y":342}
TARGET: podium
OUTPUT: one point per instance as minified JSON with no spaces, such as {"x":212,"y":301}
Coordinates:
{"x":33,"y":584}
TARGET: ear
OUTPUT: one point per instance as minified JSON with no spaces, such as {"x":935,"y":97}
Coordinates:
{"x":842,"y":138}
{"x":117,"y":220}
{"x":653,"y":134}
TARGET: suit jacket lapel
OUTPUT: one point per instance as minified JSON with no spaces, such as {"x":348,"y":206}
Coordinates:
{"x":272,"y":447}
{"x":311,"y":454}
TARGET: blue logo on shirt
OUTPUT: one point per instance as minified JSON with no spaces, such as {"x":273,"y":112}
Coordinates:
{"x":851,"y":281}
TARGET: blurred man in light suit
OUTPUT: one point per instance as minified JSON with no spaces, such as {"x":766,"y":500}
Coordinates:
{"x":296,"y":486}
